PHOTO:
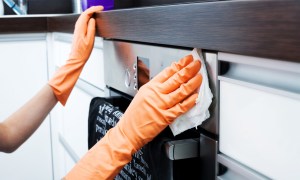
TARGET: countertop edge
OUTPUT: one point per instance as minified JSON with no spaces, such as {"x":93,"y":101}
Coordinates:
{"x":265,"y":28}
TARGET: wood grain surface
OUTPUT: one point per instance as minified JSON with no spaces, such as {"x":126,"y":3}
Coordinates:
{"x":262,"y":28}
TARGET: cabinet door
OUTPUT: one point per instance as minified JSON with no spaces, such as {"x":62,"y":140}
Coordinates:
{"x":75,"y":124}
{"x":259,"y":115}
{"x":71,"y":132}
{"x":23,"y":72}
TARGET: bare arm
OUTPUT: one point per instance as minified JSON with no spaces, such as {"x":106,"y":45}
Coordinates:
{"x":18,"y":127}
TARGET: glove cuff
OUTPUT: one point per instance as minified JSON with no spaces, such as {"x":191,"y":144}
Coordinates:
{"x":105,"y":159}
{"x":65,"y":79}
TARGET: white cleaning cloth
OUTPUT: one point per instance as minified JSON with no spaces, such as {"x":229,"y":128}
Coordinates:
{"x":195,"y":116}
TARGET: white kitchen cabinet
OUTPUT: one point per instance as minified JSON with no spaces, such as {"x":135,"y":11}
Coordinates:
{"x":75,"y":126}
{"x":74,"y":133}
{"x":23,"y":72}
{"x":69,"y":124}
{"x":259,"y":115}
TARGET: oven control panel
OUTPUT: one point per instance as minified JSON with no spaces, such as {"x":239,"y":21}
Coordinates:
{"x":128,"y":66}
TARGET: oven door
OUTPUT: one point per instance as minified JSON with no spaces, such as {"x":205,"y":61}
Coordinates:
{"x":164,"y":158}
{"x":169,"y":157}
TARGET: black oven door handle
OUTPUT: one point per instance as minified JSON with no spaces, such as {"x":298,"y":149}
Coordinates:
{"x":182,"y":149}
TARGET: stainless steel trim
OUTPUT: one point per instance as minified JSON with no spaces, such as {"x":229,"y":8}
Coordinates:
{"x":68,"y":148}
{"x":212,"y":67}
{"x":261,"y":62}
{"x":265,"y":88}
{"x":23,"y":37}
{"x":91,"y":89}
{"x":237,"y":170}
{"x":182,"y":149}
{"x":273,"y":76}
{"x":208,"y":152}
{"x":64,"y":37}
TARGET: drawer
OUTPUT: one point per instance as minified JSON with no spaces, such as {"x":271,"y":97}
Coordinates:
{"x":260,"y":117}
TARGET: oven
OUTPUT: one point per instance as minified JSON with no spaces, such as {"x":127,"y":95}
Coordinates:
{"x":189,"y":155}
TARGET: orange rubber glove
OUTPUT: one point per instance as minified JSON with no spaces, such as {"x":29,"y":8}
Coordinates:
{"x":156,"y":105}
{"x":65,"y":78}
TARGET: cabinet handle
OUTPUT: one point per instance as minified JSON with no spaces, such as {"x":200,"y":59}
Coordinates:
{"x":271,"y":75}
{"x":266,"y":88}
{"x":68,"y":148}
{"x":236,"y":170}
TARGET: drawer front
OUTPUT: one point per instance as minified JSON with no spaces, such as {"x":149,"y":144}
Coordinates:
{"x":260,"y":129}
{"x":260,"y":119}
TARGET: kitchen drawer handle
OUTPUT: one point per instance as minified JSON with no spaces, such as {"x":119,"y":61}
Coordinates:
{"x":282,"y":92}
{"x":271,"y":75}
{"x":68,"y":148}
{"x":236,"y":170}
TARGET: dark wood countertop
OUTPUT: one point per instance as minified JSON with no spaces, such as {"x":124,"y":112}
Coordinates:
{"x":265,"y":28}
{"x":16,"y":24}
{"x":38,"y":23}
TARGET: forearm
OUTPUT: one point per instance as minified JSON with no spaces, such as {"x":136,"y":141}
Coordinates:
{"x":20,"y":126}
{"x":156,"y":105}
{"x":17,"y":128}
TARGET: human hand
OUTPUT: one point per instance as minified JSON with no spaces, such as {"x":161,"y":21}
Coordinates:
{"x":65,"y":78}
{"x":156,"y":105}
{"x":84,"y":34}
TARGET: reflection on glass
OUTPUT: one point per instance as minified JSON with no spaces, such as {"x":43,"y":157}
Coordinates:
{"x":143,"y":71}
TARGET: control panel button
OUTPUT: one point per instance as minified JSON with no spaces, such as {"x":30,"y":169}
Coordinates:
{"x":135,"y":86}
{"x":127,"y":78}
